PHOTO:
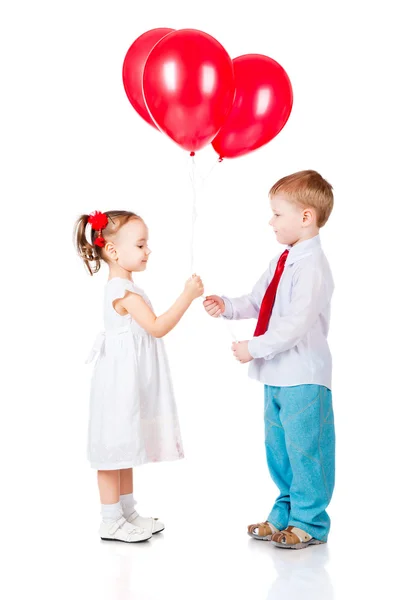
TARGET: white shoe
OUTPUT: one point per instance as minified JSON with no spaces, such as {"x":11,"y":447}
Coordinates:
{"x":149,"y":524}
{"x":122,"y":531}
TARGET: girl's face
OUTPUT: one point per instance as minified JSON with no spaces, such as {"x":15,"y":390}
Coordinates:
{"x":129,"y":247}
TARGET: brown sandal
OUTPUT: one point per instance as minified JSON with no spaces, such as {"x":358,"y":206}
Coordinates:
{"x":293,"y":538}
{"x":265,"y":531}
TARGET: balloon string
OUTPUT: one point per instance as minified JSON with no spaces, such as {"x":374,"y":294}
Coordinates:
{"x":193,"y":174}
{"x":205,"y":177}
{"x":197,"y":186}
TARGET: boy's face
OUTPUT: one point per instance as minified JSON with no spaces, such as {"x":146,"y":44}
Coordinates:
{"x":288,"y":221}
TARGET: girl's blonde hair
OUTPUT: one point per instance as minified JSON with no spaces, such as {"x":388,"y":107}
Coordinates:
{"x":307,"y":189}
{"x":90,"y":253}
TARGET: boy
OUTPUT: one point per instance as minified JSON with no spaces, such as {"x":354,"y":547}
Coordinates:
{"x":289,"y":354}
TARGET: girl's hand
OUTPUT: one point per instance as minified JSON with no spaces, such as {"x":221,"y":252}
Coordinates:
{"x":194,"y":287}
{"x":214,"y":306}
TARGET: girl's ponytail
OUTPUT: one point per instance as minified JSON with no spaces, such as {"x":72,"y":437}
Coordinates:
{"x":89,"y":252}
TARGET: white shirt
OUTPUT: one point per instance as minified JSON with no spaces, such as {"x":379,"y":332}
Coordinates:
{"x":294,"y":350}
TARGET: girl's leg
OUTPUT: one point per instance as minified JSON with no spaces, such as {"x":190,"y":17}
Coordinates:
{"x":126,"y":493}
{"x":114,"y":526}
{"x":126,"y":482}
{"x":109,"y":484}
{"x":128,"y":505}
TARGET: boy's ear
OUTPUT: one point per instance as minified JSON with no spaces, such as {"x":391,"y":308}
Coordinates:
{"x":111,"y":251}
{"x":308,"y":216}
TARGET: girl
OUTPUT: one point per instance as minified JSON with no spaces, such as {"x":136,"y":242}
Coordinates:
{"x":133,"y":417}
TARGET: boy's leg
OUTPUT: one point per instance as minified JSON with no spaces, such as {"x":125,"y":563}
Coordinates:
{"x":277,"y":457}
{"x":307,"y":418}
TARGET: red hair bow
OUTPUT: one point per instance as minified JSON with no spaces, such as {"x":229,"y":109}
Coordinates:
{"x":98,"y":221}
{"x":100,"y":241}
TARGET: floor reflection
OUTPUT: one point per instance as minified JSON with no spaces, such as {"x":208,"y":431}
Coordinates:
{"x":301,"y":574}
{"x":125,"y":571}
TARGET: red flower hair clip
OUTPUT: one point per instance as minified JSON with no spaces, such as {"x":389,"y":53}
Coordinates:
{"x":100,"y":241}
{"x":98,"y":222}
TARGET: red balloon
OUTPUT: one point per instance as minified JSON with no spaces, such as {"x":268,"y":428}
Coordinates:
{"x":188,"y":86}
{"x":132,"y":70}
{"x":262,"y":105}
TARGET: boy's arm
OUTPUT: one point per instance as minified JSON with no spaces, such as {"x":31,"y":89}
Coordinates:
{"x":248,"y":306}
{"x":309,"y":298}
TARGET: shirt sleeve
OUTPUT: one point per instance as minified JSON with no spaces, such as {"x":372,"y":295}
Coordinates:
{"x":248,"y":306}
{"x":309,"y":298}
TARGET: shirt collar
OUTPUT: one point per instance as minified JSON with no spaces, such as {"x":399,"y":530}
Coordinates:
{"x":303,"y":249}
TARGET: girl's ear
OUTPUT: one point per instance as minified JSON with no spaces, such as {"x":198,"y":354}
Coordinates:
{"x":111,"y":251}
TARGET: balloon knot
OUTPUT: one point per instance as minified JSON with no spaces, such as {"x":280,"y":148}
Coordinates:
{"x":192,"y":153}
{"x":220,"y":159}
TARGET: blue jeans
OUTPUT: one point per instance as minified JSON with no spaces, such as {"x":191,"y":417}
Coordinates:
{"x":300,"y":446}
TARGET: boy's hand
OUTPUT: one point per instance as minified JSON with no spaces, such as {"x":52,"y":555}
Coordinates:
{"x":214,"y":306}
{"x":194,"y":287}
{"x":241,"y":351}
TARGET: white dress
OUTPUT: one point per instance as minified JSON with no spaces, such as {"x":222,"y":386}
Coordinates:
{"x":133,"y":416}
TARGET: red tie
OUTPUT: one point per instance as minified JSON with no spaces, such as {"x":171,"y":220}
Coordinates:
{"x":269,"y":298}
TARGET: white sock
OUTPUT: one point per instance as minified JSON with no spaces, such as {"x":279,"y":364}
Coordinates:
{"x":111,"y":512}
{"x":128,"y":503}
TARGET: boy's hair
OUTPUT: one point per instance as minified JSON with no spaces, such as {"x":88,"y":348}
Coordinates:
{"x":308,"y":189}
{"x":87,"y":250}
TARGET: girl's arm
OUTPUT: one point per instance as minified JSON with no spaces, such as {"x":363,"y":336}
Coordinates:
{"x":158,"y":327}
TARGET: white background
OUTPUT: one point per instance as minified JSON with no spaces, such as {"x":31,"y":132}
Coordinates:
{"x":72,"y":143}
